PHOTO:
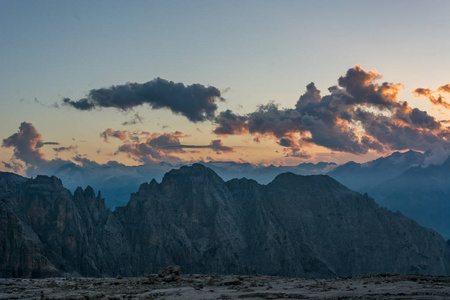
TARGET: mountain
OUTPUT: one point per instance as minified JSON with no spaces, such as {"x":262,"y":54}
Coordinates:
{"x":265,"y":174}
{"x":304,"y":226}
{"x":117,"y":181}
{"x":47,"y":231}
{"x":360,"y":177}
{"x":422,"y":194}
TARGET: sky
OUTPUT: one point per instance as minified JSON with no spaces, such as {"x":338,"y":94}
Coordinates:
{"x":141,"y":82}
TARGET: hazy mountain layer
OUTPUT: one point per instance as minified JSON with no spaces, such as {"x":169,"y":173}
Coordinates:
{"x":361,"y":177}
{"x":422,"y":194}
{"x":118,"y":181}
{"x":295,"y":226}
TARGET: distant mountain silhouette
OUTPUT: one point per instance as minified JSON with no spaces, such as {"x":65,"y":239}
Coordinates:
{"x":422,"y":194}
{"x":295,"y":226}
{"x":118,"y":181}
{"x":361,"y":177}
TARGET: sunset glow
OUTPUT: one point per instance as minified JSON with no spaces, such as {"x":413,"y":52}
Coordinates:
{"x":258,"y":82}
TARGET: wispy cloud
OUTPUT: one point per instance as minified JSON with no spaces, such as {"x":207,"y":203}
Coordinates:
{"x":438,"y":100}
{"x":134,"y":120}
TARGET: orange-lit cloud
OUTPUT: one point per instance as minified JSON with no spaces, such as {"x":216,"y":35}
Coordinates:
{"x":164,"y":147}
{"x":27,"y":144}
{"x":444,"y":88}
{"x":357,"y":116}
{"x":438,"y":100}
{"x":121,"y":135}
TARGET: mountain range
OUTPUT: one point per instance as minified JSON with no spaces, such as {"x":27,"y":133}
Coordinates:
{"x":117,"y":181}
{"x":422,"y":194}
{"x":386,"y":179}
{"x":304,"y":226}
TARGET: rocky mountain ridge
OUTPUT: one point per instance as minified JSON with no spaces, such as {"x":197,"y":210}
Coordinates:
{"x":307,"y":226}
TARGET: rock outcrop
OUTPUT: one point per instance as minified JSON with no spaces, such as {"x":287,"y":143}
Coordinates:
{"x":49,"y":231}
{"x":307,"y":226}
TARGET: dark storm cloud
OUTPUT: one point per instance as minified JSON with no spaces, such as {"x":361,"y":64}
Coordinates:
{"x":196,"y":102}
{"x":357,"y":116}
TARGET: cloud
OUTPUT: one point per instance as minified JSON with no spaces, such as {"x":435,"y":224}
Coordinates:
{"x":134,"y":120}
{"x":196,"y":102}
{"x":438,"y":100}
{"x":121,"y":135}
{"x":85,"y":162}
{"x":444,"y":88}
{"x":15,"y":166}
{"x":164,"y":146}
{"x":26,"y":143}
{"x":296,"y":152}
{"x":218,"y":147}
{"x":65,"y":149}
{"x":54,"y":105}
{"x":230,"y":123}
{"x":356,"y":116}
{"x":156,"y":148}
{"x":82,"y":104}
{"x":422,"y":92}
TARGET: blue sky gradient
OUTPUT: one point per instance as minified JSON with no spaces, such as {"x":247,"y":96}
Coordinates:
{"x":253,"y":51}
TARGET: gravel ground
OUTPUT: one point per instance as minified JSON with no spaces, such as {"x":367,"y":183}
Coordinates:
{"x":384,"y":286}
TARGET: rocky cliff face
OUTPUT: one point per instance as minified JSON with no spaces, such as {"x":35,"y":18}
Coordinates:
{"x":49,"y":231}
{"x":295,"y":226}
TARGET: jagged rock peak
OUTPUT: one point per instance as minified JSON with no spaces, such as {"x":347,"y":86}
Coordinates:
{"x":196,"y":171}
{"x":89,"y":192}
{"x":46,"y":183}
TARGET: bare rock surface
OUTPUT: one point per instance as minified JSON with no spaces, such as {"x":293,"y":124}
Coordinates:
{"x":296,"y":226}
{"x":383,"y":286}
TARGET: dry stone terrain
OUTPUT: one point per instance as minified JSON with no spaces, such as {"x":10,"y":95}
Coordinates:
{"x":193,"y":286}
